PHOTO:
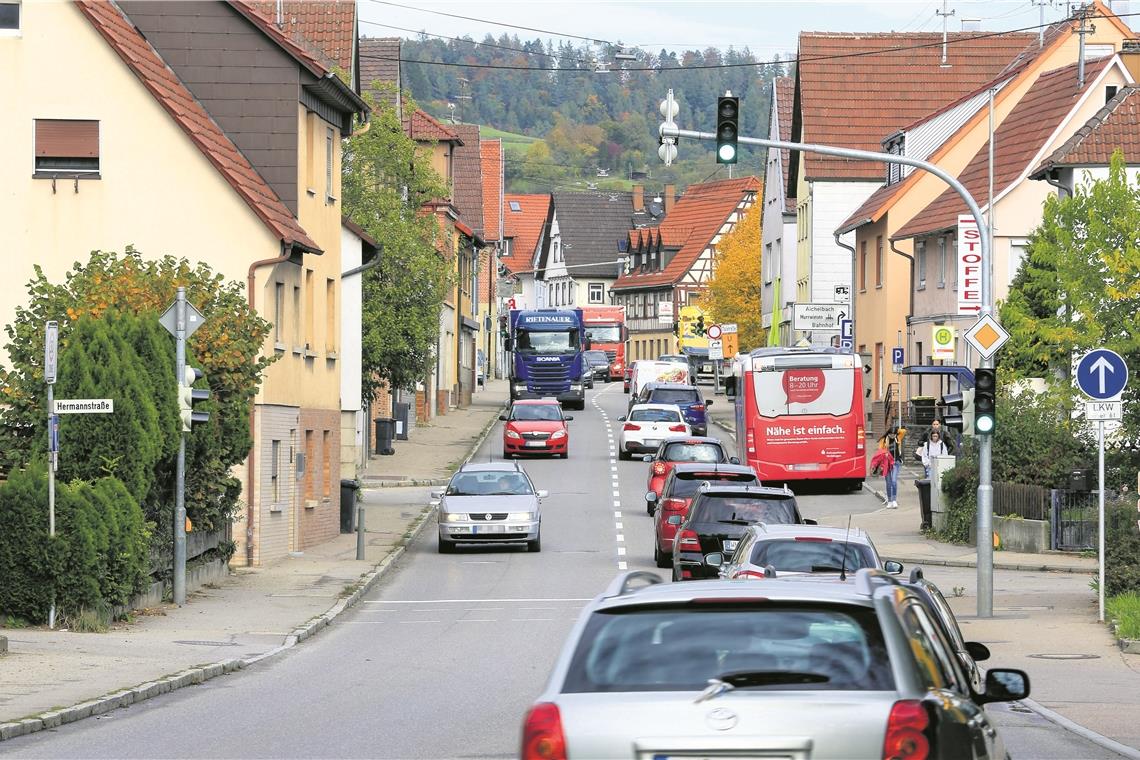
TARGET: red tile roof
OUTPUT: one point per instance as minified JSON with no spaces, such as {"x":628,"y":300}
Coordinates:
{"x":307,"y":59}
{"x":1114,"y":127}
{"x":491,"y":153}
{"x":690,"y":226}
{"x":525,"y":227}
{"x":894,"y":79}
{"x":1018,"y":139}
{"x":467,"y":179}
{"x":421,"y":126}
{"x":785,"y":98}
{"x":188,"y":113}
{"x":326,"y":28}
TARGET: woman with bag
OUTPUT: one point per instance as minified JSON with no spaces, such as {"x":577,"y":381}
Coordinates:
{"x":934,"y":447}
{"x":891,"y":445}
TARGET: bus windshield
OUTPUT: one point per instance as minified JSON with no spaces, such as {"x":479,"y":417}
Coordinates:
{"x":807,"y":391}
{"x":604,"y":333}
{"x":548,"y":342}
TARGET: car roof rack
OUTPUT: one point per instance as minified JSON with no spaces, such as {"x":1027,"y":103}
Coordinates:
{"x":624,"y":583}
{"x":867,"y":578}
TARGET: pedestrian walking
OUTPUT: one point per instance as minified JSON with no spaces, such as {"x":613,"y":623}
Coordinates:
{"x":891,"y":445}
{"x":933,"y":447}
{"x":936,"y":427}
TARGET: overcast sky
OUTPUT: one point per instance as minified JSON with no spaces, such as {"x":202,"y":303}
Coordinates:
{"x":767,"y":27}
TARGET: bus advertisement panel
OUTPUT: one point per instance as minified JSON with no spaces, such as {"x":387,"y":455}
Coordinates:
{"x":799,"y":414}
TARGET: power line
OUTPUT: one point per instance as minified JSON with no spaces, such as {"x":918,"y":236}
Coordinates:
{"x":467,"y":41}
{"x":492,"y":23}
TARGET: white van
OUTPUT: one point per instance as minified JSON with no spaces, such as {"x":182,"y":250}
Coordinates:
{"x":649,"y":371}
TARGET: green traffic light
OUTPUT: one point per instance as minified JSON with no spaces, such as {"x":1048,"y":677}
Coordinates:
{"x":984,"y":424}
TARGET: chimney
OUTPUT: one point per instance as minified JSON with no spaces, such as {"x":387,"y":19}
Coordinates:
{"x":638,"y":198}
{"x":971,"y":25}
{"x":670,"y":197}
{"x":1130,"y":55}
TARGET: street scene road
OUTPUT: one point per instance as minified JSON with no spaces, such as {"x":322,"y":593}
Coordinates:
{"x":444,"y":656}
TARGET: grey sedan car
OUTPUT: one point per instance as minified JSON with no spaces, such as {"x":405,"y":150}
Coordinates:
{"x":785,"y":667}
{"x":489,"y":503}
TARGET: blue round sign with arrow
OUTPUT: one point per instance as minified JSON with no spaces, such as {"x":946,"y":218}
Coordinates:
{"x":1102,"y":374}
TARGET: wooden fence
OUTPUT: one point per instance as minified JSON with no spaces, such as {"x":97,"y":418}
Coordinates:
{"x":1029,"y":502}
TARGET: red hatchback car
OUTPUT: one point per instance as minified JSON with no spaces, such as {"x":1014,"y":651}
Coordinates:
{"x":535,"y":426}
{"x":677,"y":494}
{"x":692,"y":449}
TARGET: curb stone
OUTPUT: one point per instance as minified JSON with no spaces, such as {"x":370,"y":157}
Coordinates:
{"x":191,"y":676}
{"x":1099,"y":739}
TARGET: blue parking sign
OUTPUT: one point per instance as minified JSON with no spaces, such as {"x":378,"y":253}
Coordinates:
{"x":897,"y":356}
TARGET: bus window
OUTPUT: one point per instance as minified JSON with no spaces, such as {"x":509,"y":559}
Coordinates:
{"x":814,"y":391}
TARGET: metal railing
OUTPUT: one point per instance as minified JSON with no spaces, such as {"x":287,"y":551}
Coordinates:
{"x":1074,"y":518}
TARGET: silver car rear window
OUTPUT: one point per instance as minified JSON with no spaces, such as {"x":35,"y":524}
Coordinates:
{"x":769,"y":646}
{"x":793,"y":556}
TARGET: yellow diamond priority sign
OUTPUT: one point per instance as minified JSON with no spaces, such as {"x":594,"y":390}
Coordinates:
{"x":987,"y":336}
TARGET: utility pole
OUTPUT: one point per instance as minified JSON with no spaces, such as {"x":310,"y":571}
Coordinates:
{"x":1083,"y":30}
{"x":180,"y":472}
{"x":945,"y":14}
{"x":1041,"y":22}
{"x":51,"y":354}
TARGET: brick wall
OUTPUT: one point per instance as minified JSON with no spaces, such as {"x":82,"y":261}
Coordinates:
{"x":320,"y":485}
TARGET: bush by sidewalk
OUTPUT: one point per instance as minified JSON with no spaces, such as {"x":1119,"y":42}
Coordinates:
{"x":1121,"y":550}
{"x":1125,"y":610}
{"x":97,"y":559}
{"x":1033,"y":443}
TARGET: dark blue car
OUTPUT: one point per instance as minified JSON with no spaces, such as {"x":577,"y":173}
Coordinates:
{"x":686,"y":397}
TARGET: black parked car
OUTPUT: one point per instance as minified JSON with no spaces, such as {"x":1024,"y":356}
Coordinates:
{"x":719,"y":517}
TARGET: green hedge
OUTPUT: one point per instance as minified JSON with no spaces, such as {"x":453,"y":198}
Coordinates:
{"x":1121,"y":549}
{"x":97,"y":559}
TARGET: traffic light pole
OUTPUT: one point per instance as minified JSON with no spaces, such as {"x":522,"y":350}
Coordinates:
{"x":669,"y":133}
{"x":180,"y":474}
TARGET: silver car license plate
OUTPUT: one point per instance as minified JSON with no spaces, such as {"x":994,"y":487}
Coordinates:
{"x":488,"y":528}
{"x":652,"y":442}
{"x":535,"y":444}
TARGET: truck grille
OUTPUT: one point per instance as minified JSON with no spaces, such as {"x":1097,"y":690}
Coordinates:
{"x":611,"y":355}
{"x":549,"y":378}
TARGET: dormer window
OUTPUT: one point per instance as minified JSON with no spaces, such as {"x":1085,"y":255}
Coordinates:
{"x":896,"y":146}
{"x":9,"y":17}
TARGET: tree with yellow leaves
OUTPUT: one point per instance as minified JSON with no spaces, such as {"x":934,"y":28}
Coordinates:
{"x":733,"y":293}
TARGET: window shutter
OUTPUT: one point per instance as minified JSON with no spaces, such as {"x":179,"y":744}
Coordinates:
{"x":65,"y":138}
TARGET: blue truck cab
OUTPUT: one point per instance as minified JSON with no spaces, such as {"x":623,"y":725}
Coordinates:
{"x":546,"y":348}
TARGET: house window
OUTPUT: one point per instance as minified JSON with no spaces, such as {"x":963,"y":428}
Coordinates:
{"x":310,"y":311}
{"x":66,"y":147}
{"x":1016,"y":257}
{"x":330,"y":315}
{"x":279,"y":314}
{"x":275,"y":471}
{"x":767,"y":262}
{"x":311,"y":152}
{"x":296,"y":316}
{"x":9,"y":16}
{"x":597,"y":292}
{"x":515,"y":206}
{"x":329,"y":156}
{"x":1110,"y":92}
{"x":863,"y":266}
{"x":326,"y":464}
{"x":310,"y":456}
{"x":920,"y":263}
{"x":879,"y":261}
{"x":954,"y":261}
{"x":941,"y":262}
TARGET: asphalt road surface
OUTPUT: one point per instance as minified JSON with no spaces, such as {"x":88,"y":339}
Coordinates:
{"x":447,"y":653}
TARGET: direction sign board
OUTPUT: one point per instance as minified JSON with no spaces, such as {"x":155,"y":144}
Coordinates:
{"x":730,"y":344}
{"x":1102,"y":374}
{"x":194,"y":320}
{"x":728,"y":328}
{"x":716,"y":349}
{"x":817,"y":316}
{"x":987,"y":336}
{"x":713,"y":332}
{"x":1103,"y":410}
{"x":83,"y":406}
{"x":969,"y":265}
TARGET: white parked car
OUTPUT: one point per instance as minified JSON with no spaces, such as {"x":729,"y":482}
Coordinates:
{"x":647,"y":425}
{"x":803,"y":550}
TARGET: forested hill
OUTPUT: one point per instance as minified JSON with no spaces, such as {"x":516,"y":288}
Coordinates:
{"x":569,"y":126}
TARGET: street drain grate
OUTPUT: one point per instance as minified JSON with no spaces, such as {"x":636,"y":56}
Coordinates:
{"x":1061,"y":656}
{"x":208,"y":643}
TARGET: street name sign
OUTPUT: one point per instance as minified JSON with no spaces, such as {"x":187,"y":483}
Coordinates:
{"x":969,"y":265}
{"x":987,"y":336}
{"x":83,"y":406}
{"x":817,"y":316}
{"x":1102,"y":374}
{"x":1104,"y":410}
{"x":728,"y":328}
{"x":716,"y":349}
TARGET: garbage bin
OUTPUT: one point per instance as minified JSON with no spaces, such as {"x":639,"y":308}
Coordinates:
{"x":402,"y":412}
{"x":923,"y":487}
{"x":385,"y":432}
{"x":348,"y":489}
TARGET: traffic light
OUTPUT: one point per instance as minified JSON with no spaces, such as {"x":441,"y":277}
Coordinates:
{"x":187,"y":395}
{"x":669,"y":109}
{"x":985,"y":400}
{"x":958,"y":412}
{"x":677,"y":329}
{"x":699,"y":325}
{"x":727,"y":128}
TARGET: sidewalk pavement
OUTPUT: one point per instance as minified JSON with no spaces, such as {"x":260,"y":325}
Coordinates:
{"x":53,"y":677}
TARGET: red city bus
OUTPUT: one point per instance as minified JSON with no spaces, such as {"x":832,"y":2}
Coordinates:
{"x":799,"y":414}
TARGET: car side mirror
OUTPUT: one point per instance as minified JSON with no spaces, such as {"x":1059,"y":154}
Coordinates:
{"x":542,"y":494}
{"x":568,"y":417}
{"x":674,"y":520}
{"x":809,"y":521}
{"x":734,"y":460}
{"x":716,"y":559}
{"x":436,"y":494}
{"x":893,"y":567}
{"x":621,"y":419}
{"x":502,"y":418}
{"x":979,"y":651}
{"x":651,"y":496}
{"x":647,"y":458}
{"x":1005,"y":685}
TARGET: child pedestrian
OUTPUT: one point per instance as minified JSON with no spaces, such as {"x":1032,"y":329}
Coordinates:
{"x":934,"y":447}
